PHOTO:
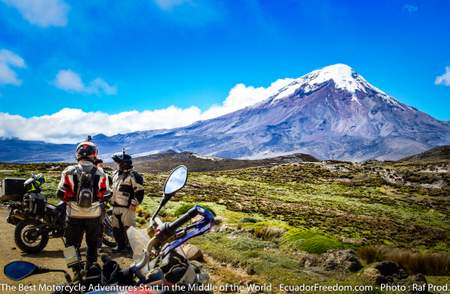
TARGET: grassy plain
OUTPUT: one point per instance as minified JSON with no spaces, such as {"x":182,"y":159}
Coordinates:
{"x":270,"y":216}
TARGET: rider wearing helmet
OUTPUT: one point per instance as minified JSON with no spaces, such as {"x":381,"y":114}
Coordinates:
{"x":127,"y":193}
{"x":99,"y":164}
{"x":82,"y":186}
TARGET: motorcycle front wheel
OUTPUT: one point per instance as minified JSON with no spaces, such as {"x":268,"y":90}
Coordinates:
{"x":27,"y":238}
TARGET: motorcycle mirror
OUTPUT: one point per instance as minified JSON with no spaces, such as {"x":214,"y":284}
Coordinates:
{"x":176,"y":180}
{"x":18,"y":270}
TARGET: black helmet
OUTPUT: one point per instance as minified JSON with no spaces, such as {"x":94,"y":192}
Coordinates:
{"x":86,"y":150}
{"x":124,"y":160}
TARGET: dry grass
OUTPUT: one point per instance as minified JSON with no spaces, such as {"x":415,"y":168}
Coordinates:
{"x":268,"y":232}
{"x":413,"y":262}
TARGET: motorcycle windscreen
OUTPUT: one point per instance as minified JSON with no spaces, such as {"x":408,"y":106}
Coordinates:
{"x":138,"y":239}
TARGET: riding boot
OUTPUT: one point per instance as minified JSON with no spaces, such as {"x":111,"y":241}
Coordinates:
{"x":128,"y":250}
{"x":100,"y":239}
{"x":120,"y":240}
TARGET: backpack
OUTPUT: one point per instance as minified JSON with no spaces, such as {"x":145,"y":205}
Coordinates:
{"x":86,"y":193}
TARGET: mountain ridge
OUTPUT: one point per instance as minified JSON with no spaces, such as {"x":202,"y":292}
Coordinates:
{"x":330,"y":113}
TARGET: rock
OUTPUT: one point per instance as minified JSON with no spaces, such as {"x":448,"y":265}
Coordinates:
{"x":309,"y":260}
{"x":218,"y":220}
{"x":237,"y":206}
{"x":250,"y":271}
{"x":344,"y":260}
{"x":193,"y":252}
{"x":224,"y":228}
{"x":341,"y":260}
{"x":389,"y":272}
{"x":235,"y":234}
{"x":390,"y":268}
{"x":372,"y":275}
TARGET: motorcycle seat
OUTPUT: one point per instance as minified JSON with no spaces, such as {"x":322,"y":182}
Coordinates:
{"x":60,"y":205}
{"x":50,"y":206}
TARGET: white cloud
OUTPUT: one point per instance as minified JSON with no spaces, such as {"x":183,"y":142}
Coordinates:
{"x":9,"y":60}
{"x":444,"y":79}
{"x":241,"y":96}
{"x":410,"y":8}
{"x":43,"y":13}
{"x":70,"y":81}
{"x":70,"y":125}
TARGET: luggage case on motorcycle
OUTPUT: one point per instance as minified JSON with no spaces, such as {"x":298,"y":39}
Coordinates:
{"x":13,"y":189}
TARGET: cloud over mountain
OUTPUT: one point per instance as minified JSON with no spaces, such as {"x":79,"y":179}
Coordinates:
{"x":69,"y":125}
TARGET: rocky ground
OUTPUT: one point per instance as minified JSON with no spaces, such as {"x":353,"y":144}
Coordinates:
{"x":51,"y":257}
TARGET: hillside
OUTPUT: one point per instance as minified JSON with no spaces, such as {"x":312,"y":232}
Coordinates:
{"x":165,"y":161}
{"x":15,"y":150}
{"x":436,"y":153}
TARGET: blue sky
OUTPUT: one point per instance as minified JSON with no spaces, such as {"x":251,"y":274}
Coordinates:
{"x":179,"y":58}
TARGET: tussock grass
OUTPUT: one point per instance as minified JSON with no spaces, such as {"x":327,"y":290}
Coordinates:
{"x":269,"y":232}
{"x":266,"y":230}
{"x":428,"y":263}
{"x":311,"y":241}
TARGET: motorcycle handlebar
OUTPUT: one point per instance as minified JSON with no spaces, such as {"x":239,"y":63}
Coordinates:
{"x":166,"y":230}
{"x":190,"y":214}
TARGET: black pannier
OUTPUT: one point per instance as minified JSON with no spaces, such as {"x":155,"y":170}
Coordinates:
{"x":13,"y":189}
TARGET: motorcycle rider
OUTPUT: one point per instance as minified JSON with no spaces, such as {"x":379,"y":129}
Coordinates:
{"x":82,"y":186}
{"x":99,"y":164}
{"x":127,"y":194}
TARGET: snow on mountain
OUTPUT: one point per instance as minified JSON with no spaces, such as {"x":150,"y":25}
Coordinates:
{"x":330,"y":113}
{"x":343,"y":76}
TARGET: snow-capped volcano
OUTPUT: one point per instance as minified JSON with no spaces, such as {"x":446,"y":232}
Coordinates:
{"x":330,"y":113}
{"x":343,"y":76}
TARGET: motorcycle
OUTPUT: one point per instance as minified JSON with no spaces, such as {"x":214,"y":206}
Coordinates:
{"x":37,"y":221}
{"x":160,"y":265}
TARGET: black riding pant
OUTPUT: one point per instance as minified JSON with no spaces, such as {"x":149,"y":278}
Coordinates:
{"x":76,"y":227}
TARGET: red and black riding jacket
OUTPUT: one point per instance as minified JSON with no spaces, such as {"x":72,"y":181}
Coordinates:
{"x":70,"y":180}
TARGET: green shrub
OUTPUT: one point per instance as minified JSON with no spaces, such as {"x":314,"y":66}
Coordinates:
{"x":312,"y":241}
{"x":183,"y":208}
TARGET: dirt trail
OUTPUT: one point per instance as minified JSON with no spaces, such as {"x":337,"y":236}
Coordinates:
{"x":51,"y":256}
